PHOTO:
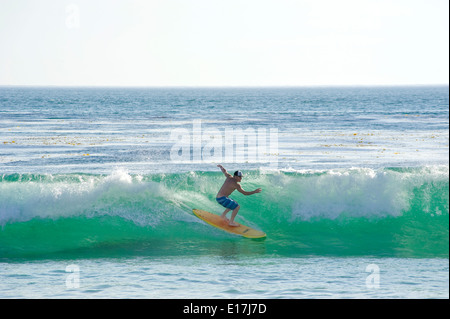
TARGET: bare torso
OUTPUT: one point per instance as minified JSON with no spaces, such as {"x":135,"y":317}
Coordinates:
{"x":228,"y":187}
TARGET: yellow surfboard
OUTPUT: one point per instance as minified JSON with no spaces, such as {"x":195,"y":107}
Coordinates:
{"x":216,"y":221}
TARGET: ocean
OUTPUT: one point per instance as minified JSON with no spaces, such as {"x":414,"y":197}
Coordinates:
{"x":97,"y":187}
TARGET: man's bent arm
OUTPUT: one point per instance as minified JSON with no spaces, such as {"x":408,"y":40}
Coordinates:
{"x":241,"y":190}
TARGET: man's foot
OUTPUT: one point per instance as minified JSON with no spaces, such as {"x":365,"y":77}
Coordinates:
{"x":233,"y":224}
{"x":225,"y":218}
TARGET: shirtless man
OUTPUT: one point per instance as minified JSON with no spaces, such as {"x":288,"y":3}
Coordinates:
{"x":231,"y":184}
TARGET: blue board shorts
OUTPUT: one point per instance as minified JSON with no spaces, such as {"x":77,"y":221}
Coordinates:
{"x":227,"y":202}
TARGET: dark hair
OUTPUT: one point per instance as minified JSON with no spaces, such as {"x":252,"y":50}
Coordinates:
{"x":238,"y":173}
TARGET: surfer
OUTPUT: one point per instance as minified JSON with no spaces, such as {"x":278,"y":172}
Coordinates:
{"x":229,"y":186}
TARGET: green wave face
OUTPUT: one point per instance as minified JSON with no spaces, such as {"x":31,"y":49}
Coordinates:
{"x":384,"y":212}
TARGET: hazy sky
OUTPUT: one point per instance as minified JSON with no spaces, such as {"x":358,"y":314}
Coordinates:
{"x":224,"y":42}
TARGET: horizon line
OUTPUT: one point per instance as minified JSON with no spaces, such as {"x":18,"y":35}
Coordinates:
{"x":219,"y":86}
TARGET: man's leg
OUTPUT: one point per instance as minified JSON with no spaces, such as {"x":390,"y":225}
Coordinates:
{"x":233,"y":215}
{"x":224,"y":214}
